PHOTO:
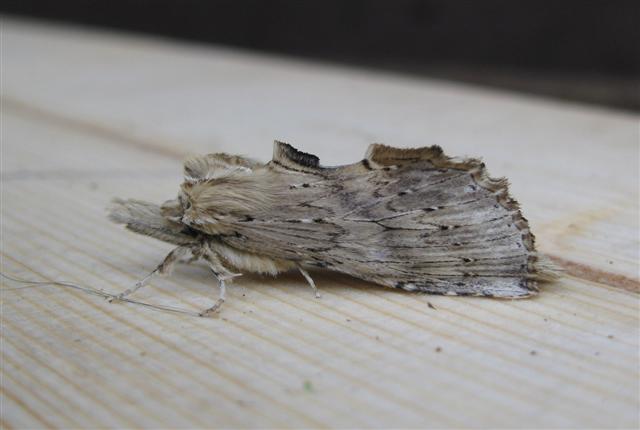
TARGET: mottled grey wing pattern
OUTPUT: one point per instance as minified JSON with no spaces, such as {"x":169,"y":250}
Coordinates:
{"x":408,"y":218}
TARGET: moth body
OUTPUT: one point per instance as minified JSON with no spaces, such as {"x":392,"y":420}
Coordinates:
{"x":412,"y":219}
{"x":247,"y":262}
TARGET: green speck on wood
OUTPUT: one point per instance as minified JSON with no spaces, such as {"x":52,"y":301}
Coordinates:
{"x":307,"y":386}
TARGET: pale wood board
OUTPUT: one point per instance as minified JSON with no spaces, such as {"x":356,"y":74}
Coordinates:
{"x":88,"y":116}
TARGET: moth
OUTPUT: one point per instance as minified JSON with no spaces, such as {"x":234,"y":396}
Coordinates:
{"x":413,"y":219}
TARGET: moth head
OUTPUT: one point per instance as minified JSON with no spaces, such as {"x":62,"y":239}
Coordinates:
{"x":181,"y":209}
{"x":201,"y":174}
{"x":174,"y":209}
{"x":199,"y":207}
{"x":218,"y":189}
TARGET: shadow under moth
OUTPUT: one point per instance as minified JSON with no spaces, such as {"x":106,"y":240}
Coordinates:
{"x":413,"y":219}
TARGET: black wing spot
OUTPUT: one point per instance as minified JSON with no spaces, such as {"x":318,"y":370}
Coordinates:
{"x":299,"y":157}
{"x":321,"y":264}
{"x":449,"y":227}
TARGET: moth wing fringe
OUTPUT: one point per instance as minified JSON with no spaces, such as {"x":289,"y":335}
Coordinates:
{"x":545,"y":270}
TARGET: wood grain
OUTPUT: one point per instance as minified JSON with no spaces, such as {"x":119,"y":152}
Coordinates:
{"x":87,"y":116}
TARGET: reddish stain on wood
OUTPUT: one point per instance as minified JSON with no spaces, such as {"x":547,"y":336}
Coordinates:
{"x":589,"y":273}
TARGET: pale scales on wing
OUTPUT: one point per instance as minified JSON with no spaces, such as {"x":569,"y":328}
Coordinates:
{"x":407,"y":218}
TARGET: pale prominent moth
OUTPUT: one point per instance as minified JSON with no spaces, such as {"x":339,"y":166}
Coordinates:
{"x":413,"y":219}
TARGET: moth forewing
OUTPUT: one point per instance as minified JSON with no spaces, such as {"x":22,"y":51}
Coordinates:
{"x":413,"y":219}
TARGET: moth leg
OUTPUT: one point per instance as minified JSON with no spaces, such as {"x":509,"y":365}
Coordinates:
{"x":221,"y":297}
{"x":310,"y":281}
{"x":196,"y":254}
{"x":163,"y":268}
{"x":222,"y":274}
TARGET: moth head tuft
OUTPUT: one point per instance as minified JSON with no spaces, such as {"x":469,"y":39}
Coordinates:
{"x":202,"y":168}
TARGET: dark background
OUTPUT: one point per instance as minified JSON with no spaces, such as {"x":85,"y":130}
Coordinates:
{"x":587,"y":51}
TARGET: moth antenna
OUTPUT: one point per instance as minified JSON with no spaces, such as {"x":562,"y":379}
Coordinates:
{"x":94,"y":292}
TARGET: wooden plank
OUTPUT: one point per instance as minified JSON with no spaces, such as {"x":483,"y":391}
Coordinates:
{"x":87,"y":116}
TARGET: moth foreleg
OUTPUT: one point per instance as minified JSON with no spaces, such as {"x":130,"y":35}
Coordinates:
{"x":310,"y":281}
{"x":163,"y":268}
{"x":222,"y":274}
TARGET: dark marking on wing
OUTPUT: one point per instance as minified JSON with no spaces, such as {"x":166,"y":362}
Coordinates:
{"x":299,"y":157}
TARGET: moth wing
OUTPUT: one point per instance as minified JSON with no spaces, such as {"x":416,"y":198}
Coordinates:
{"x":407,"y":218}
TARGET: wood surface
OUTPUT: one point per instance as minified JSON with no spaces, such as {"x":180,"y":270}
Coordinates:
{"x":88,"y":116}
